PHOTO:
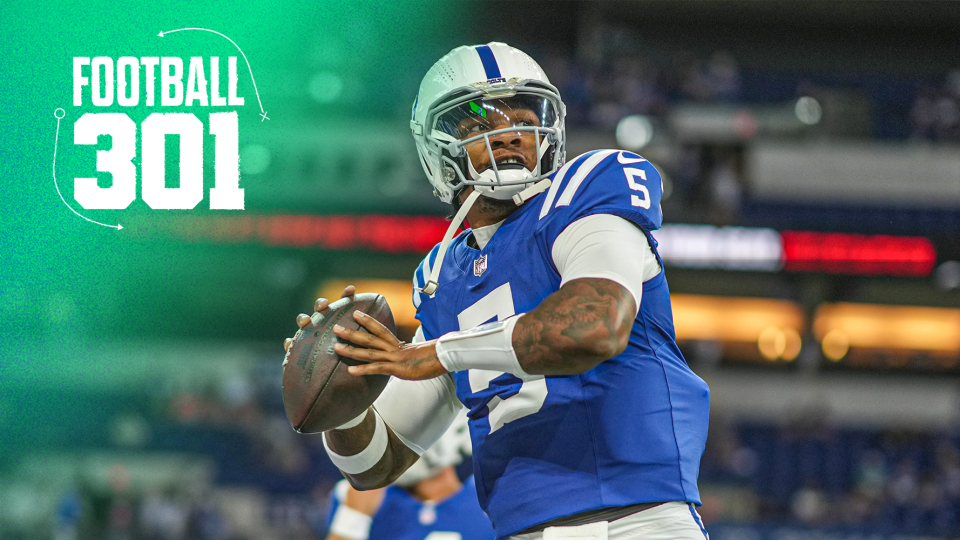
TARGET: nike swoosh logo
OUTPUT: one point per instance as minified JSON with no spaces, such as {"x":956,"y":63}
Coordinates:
{"x":626,"y":161}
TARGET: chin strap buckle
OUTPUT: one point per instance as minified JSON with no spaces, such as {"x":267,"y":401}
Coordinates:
{"x":528,"y":193}
{"x":430,"y":287}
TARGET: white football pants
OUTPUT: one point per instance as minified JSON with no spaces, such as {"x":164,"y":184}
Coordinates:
{"x":669,"y":521}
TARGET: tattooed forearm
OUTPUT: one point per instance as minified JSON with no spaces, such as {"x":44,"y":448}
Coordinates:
{"x":396,"y":459}
{"x":576,"y":328}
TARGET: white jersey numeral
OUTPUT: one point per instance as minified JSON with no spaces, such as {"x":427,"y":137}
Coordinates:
{"x":631,"y":174}
{"x":533,"y":391}
{"x":641,"y":200}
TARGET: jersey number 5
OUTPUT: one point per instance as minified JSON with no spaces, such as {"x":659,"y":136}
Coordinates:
{"x":533,"y":390}
{"x":631,"y":174}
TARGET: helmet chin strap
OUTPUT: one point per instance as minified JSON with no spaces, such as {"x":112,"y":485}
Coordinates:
{"x":528,"y":193}
{"x":518,"y":198}
{"x":434,"y":273}
{"x":431,"y":286}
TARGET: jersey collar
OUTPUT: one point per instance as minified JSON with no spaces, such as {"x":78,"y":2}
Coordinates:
{"x":482,"y":235}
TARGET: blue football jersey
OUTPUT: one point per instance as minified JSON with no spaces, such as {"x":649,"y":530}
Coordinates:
{"x":632,"y":429}
{"x":404,"y":517}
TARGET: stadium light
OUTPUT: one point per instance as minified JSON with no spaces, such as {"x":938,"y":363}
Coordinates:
{"x":254,"y":159}
{"x":808,"y":110}
{"x":325,"y":87}
{"x":634,"y":132}
{"x":774,"y":325}
{"x":843,"y":325}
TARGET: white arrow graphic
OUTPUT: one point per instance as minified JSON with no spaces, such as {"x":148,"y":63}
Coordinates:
{"x":263,"y":113}
{"x":58,"y":114}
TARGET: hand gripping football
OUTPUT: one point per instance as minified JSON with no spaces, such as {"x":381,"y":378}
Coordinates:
{"x":319,"y":393}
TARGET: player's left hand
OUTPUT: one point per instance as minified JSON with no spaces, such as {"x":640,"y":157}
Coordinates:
{"x":387,"y":354}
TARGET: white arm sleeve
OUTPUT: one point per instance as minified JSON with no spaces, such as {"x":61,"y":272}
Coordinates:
{"x":608,"y":247}
{"x":419,"y":412}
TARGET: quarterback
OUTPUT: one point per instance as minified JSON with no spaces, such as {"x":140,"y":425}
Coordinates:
{"x":549,"y":319}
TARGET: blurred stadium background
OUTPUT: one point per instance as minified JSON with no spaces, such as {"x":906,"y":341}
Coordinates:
{"x":811,"y":153}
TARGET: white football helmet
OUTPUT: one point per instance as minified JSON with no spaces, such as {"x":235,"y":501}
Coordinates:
{"x":490,"y":90}
{"x":453,"y":445}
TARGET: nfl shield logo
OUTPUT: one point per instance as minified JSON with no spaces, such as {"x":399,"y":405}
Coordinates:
{"x":480,"y":266}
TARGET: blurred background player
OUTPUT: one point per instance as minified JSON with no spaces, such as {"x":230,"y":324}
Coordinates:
{"x":427,"y":502}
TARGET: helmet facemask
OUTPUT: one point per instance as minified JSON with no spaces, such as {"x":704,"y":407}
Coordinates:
{"x":499,"y":141}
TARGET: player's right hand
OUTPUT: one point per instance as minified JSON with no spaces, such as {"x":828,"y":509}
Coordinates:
{"x":321,"y":304}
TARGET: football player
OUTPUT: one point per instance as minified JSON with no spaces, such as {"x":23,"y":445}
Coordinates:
{"x":427,"y":502}
{"x":549,"y":319}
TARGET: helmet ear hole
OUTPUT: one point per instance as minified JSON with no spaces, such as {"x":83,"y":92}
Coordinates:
{"x":449,"y":175}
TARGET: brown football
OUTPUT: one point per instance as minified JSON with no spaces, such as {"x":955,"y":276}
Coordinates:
{"x":318,"y":392}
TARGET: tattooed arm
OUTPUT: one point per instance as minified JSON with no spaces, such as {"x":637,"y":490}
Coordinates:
{"x":587,"y":321}
{"x":603,"y":261}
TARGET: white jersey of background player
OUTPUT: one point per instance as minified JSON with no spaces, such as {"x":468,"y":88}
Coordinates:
{"x":549,"y":320}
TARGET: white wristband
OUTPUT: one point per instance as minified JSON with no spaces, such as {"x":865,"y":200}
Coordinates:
{"x":350,"y":523}
{"x":368,"y":457}
{"x":488,"y":346}
{"x":355,"y":422}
